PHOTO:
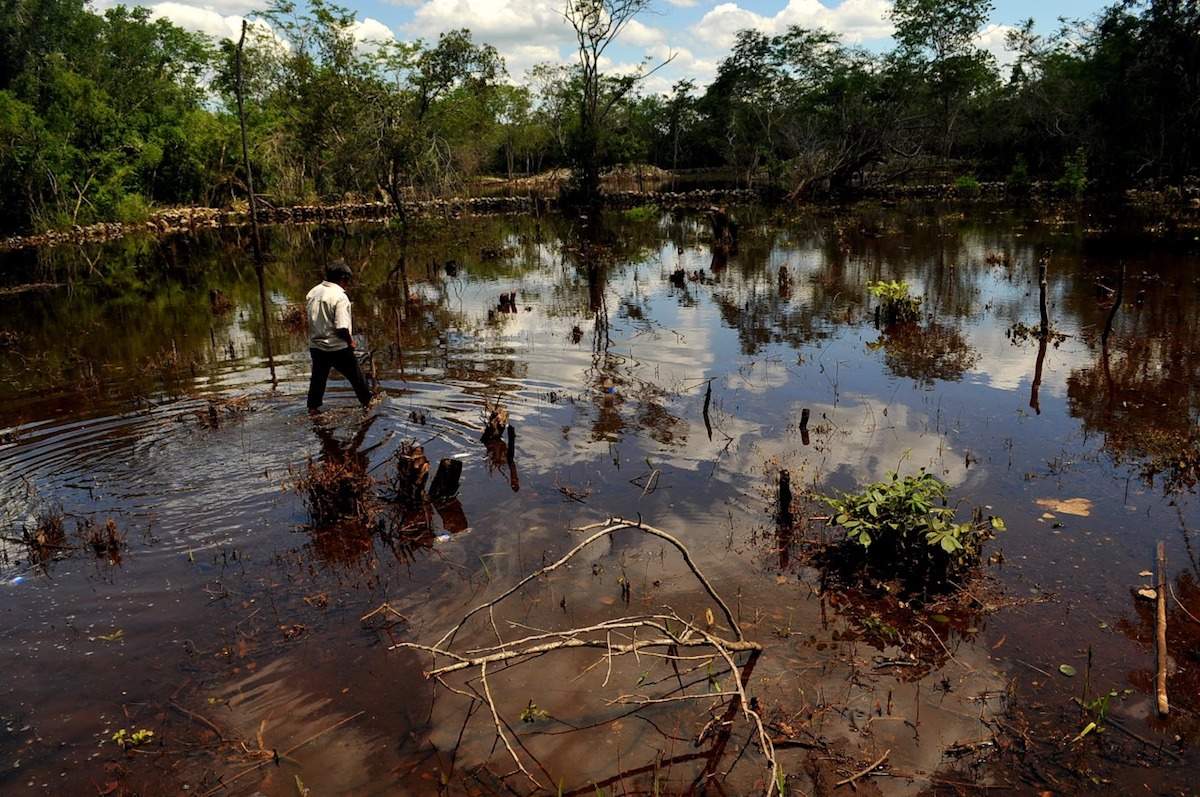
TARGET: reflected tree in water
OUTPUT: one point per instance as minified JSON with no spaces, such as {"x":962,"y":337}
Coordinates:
{"x":1141,"y":394}
{"x":929,"y":354}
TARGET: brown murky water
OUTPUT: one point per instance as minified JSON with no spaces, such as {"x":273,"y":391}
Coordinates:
{"x":262,"y":652}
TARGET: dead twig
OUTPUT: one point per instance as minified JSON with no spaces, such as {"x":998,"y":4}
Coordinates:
{"x":487,"y":693}
{"x":385,"y":609}
{"x":254,"y":768}
{"x":198,"y":718}
{"x":863,"y":772}
{"x":670,"y":635}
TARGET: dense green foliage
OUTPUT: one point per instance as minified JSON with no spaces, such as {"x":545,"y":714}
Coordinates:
{"x":903,"y":531}
{"x":896,"y":304}
{"x":103,"y":116}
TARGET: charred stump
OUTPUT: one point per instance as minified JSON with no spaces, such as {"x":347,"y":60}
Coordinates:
{"x":725,"y":230}
{"x":496,"y":423}
{"x":784,"y":519}
{"x":445,"y":481}
{"x":412,"y":471}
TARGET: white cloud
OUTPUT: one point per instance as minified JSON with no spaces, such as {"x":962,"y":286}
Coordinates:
{"x":221,"y":8}
{"x":372,"y":30}
{"x":202,"y":20}
{"x":856,"y":21}
{"x":524,"y":33}
{"x":642,"y":35}
{"x":992,"y":40}
{"x":493,"y":22}
{"x":532,"y":54}
{"x":859,"y":20}
{"x":208,"y":20}
{"x":717,"y":27}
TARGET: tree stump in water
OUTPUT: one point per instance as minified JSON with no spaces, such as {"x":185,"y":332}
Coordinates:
{"x":784,"y":519}
{"x":412,"y":471}
{"x":445,"y":481}
{"x":496,"y":424}
{"x":725,"y":229}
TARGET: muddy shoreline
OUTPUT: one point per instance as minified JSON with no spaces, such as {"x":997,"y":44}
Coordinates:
{"x":540,"y":198}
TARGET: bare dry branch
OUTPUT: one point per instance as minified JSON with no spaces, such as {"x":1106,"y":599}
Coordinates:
{"x":670,"y":635}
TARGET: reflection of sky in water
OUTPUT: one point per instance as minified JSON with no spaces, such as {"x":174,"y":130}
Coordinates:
{"x":178,"y":487}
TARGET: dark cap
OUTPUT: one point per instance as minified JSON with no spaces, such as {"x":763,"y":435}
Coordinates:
{"x":338,"y":270}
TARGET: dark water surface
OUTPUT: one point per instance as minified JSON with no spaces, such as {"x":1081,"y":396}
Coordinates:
{"x":230,"y":627}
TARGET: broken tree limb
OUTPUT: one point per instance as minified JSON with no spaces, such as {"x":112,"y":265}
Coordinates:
{"x":1112,"y":313}
{"x":707,"y":401}
{"x":866,"y":771}
{"x":412,"y":471}
{"x":565,"y":639}
{"x":1043,"y":265}
{"x":1160,"y":633}
{"x":670,"y":636}
{"x":784,"y":519}
{"x":445,"y":481}
{"x":496,"y":422}
{"x":609,"y":526}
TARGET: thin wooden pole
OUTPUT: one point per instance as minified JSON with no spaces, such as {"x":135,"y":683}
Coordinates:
{"x":1112,"y":313}
{"x":1043,"y":265}
{"x":257,"y":241}
{"x":1160,"y":633}
{"x":256,"y":238}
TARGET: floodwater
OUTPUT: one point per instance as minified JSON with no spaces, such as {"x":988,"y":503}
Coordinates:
{"x":186,"y":591}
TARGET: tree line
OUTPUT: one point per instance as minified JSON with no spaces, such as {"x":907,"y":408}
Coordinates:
{"x":105,"y":116}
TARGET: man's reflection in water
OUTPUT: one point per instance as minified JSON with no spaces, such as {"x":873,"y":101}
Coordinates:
{"x":344,"y":455}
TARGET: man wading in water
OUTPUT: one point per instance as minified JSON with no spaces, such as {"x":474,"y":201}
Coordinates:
{"x":329,"y":336}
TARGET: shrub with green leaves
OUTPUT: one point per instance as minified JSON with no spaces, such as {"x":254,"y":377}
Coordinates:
{"x":1018,"y":178}
{"x":643,"y":213}
{"x":967,"y":185}
{"x":903,"y":530}
{"x":1074,"y":178}
{"x":897,"y":305}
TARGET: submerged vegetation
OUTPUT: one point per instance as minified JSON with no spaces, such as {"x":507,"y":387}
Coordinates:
{"x":897,"y":305}
{"x":903,"y":531}
{"x":46,"y":540}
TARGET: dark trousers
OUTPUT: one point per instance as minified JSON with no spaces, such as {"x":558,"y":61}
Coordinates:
{"x":345,"y":363}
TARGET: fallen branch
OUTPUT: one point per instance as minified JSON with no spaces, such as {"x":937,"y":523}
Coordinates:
{"x":1160,"y":633}
{"x":863,"y":772}
{"x":671,"y":635}
{"x":569,"y":642}
{"x":198,"y":718}
{"x":254,"y":768}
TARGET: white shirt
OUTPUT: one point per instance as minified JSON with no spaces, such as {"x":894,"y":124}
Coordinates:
{"x":328,"y":311}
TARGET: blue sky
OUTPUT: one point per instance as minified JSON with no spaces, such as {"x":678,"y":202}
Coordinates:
{"x":698,"y":33}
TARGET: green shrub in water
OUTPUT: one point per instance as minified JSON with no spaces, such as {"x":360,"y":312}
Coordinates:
{"x":642,"y":213}
{"x":897,"y":305}
{"x":1074,"y":178}
{"x":903,"y":530}
{"x":1018,"y":179}
{"x":966,"y":185}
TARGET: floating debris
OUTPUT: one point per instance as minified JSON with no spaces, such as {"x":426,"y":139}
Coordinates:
{"x":1080,"y":507}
